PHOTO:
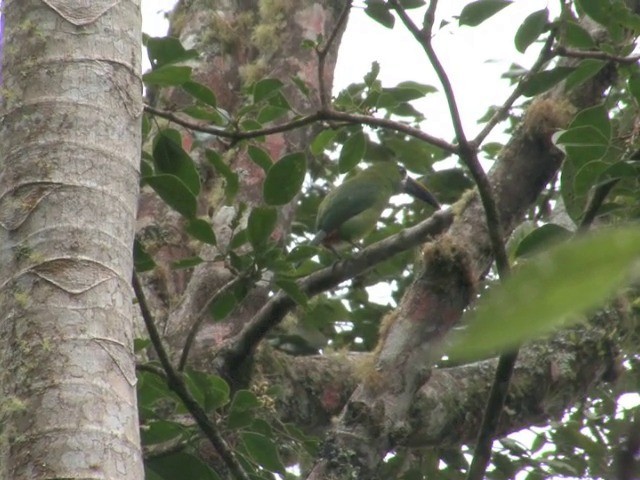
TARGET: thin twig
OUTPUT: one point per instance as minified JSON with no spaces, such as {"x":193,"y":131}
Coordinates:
{"x":324,"y":50}
{"x":468,"y":151}
{"x":178,"y":386}
{"x":501,"y":113}
{"x":201,"y":316}
{"x":491,"y":416}
{"x":591,"y":210}
{"x":328,"y":115}
{"x":241,"y":347}
{"x":571,"y":53}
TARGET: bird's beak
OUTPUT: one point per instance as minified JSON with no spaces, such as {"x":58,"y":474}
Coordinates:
{"x":417,"y":190}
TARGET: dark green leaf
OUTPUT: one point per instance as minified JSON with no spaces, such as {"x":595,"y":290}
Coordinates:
{"x":265,"y":88}
{"x":142,"y":261}
{"x":260,"y":157}
{"x":168,"y":76}
{"x":188,"y":262}
{"x":596,"y":117}
{"x":543,"y":81}
{"x":215,"y":391}
{"x":372,"y":75}
{"x":302,"y":85}
{"x":169,"y":157}
{"x":263,"y":451}
{"x":322,"y":140}
{"x":550,"y":290}
{"x":292,"y":289}
{"x":158,"y":431}
{"x":284,"y":179}
{"x":262,"y":221}
{"x":409,"y":4}
{"x":166,"y":50}
{"x":542,"y":238}
{"x":379,"y":11}
{"x":531,"y":28}
{"x":180,"y":465}
{"x":598,"y":10}
{"x":175,"y":193}
{"x":223,"y":306}
{"x":577,"y":37}
{"x":585,"y":70}
{"x":231,"y":178}
{"x":213,"y":117}
{"x":242,"y":408}
{"x":201,"y":230}
{"x":200,"y":92}
{"x":352,"y":151}
{"x":475,"y":13}
{"x":269,"y":113}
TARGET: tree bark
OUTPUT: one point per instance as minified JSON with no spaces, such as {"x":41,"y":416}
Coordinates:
{"x":70,"y":137}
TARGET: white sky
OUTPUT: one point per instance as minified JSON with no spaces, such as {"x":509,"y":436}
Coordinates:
{"x":473,"y":57}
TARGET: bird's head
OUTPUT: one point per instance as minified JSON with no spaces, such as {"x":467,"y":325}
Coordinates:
{"x":401,"y":182}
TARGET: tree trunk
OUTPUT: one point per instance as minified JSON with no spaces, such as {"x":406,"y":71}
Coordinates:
{"x":70,"y":138}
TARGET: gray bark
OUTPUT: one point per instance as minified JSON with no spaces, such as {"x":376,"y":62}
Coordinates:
{"x":70,"y":139}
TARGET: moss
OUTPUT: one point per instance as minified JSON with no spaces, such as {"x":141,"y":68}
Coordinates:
{"x":546,"y":116}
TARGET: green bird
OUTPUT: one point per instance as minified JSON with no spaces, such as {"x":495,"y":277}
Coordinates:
{"x":350,"y":211}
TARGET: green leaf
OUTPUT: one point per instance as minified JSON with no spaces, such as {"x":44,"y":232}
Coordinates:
{"x":215,"y":392}
{"x":598,"y":10}
{"x":549,"y":291}
{"x":531,"y":28}
{"x":200,"y":92}
{"x":201,"y":230}
{"x":180,"y":465}
{"x":241,"y":410}
{"x":541,"y":238}
{"x":322,"y":140}
{"x":284,"y":179}
{"x":292,"y":289}
{"x":166,"y":50}
{"x":582,"y":144}
{"x":543,"y":81}
{"x":168,"y":76}
{"x":142,"y":261}
{"x":475,"y":13}
{"x":379,"y":11}
{"x":260,"y":157}
{"x":231,"y":178}
{"x":169,"y":157}
{"x":262,"y":221}
{"x":175,"y":193}
{"x":585,"y":70}
{"x":265,"y":88}
{"x":578,"y":37}
{"x":158,"y":431}
{"x":263,"y":451}
{"x":596,"y":117}
{"x":188,"y":262}
{"x":352,"y":151}
{"x":223,"y":306}
{"x":409,"y":4}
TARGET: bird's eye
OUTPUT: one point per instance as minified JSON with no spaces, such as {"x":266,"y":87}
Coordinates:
{"x":403,"y":171}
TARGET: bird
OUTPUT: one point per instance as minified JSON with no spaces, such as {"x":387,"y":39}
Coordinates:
{"x":350,"y":211}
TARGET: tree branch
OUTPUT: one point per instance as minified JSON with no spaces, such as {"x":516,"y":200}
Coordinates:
{"x":322,"y":54}
{"x":240,"y":347}
{"x":177,"y":385}
{"x":562,"y":51}
{"x":321,"y":115}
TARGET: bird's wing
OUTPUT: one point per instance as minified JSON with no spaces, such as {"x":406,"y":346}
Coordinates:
{"x":346,"y":202}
